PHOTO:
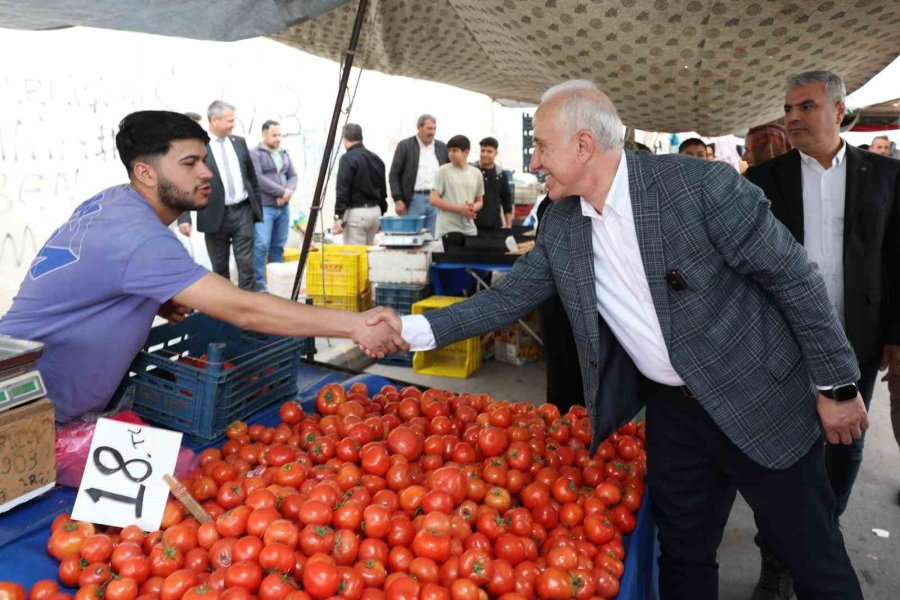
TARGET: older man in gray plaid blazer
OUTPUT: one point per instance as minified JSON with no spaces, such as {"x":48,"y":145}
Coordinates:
{"x":686,"y":295}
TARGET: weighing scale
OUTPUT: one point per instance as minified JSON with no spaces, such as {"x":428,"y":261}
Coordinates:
{"x":20,"y":381}
{"x":406,"y":240}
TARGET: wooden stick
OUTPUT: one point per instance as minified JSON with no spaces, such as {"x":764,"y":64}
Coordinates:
{"x":182,"y":495}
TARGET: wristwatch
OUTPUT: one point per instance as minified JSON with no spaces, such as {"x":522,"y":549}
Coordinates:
{"x":841,"y":393}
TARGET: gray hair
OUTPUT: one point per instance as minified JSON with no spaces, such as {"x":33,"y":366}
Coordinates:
{"x":834,"y":85}
{"x":352,"y":132}
{"x":423,"y":118}
{"x":881,"y":137}
{"x":583,"y":106}
{"x":217,"y":109}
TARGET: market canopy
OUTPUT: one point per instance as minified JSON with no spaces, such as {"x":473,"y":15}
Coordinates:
{"x":669,"y":65}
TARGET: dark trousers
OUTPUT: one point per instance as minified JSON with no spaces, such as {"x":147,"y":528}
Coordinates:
{"x":842,"y":461}
{"x":564,"y":383}
{"x":236,"y":232}
{"x":694,"y":471}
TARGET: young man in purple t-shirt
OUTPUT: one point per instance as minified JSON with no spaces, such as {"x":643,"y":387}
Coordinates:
{"x":94,"y":288}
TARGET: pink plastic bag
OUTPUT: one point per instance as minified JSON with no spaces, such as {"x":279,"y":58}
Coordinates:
{"x":73,"y":442}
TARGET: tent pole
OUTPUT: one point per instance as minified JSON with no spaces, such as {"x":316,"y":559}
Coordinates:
{"x":319,"y":195}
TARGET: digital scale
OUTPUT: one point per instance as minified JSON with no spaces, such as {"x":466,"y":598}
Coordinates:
{"x":20,"y":381}
{"x":405,"y":240}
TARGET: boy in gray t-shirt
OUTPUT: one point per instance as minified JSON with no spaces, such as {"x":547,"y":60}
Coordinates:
{"x":457,"y":191}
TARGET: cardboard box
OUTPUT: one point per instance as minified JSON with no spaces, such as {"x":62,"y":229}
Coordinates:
{"x":513,"y":345}
{"x":27,"y":452}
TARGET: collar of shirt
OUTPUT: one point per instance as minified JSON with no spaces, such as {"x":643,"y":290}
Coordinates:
{"x":618,"y":199}
{"x":809,"y":161}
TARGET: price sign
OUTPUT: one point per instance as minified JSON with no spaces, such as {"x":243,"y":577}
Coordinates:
{"x":123,"y":479}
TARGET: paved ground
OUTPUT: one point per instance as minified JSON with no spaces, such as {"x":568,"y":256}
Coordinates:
{"x":874,"y":503}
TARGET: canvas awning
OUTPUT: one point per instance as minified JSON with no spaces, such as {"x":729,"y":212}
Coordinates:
{"x":710,"y":66}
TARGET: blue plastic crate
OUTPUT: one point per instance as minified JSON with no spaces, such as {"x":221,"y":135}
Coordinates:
{"x":245,"y":371}
{"x":400,"y":296}
{"x":402,"y":224}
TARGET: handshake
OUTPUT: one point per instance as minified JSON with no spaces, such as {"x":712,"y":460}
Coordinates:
{"x":378,"y":332}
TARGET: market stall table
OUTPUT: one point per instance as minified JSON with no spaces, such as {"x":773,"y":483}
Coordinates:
{"x":24,"y":530}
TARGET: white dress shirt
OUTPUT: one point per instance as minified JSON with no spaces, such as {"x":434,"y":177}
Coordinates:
{"x":622,"y":290}
{"x":240,"y":192}
{"x":823,"y":221}
{"x":428,"y":166}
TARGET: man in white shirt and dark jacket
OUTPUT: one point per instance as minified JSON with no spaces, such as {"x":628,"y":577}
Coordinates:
{"x":687,"y":295}
{"x":843,"y":205}
{"x":416,"y":162}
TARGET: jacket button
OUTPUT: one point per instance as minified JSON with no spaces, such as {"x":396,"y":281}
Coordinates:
{"x":593,"y":363}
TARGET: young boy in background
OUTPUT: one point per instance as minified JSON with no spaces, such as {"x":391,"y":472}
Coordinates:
{"x":457,"y":191}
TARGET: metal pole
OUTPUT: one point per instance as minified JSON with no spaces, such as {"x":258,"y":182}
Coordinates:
{"x":329,"y":144}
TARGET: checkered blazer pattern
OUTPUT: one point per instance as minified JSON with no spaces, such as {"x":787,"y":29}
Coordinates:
{"x":749,"y":335}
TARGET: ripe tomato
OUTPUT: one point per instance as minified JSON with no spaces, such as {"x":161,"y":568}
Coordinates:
{"x":97,"y":548}
{"x":329,"y":398}
{"x":244,"y":574}
{"x":405,"y":442}
{"x":204,"y":591}
{"x":291,"y":412}
{"x":476,"y":565}
{"x":277,"y":557}
{"x":177,"y":584}
{"x":276,"y":586}
{"x":11,"y":591}
{"x":623,"y":519}
{"x":43,"y":589}
{"x":492,"y":441}
{"x":554,"y":583}
{"x":321,"y":579}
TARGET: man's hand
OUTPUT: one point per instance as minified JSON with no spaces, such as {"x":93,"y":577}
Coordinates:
{"x":400,"y":207}
{"x":172,"y":311}
{"x":843,"y":422}
{"x":279,"y":202}
{"x":185,"y":229}
{"x":288,"y":193}
{"x":890,"y":360}
{"x":337,"y":227}
{"x":468,"y":211}
{"x":378,"y":333}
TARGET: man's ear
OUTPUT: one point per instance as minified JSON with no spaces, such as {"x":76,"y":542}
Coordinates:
{"x":586,"y":145}
{"x":841,"y":111}
{"x":144,"y":173}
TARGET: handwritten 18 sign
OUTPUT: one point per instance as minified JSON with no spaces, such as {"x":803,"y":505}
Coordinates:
{"x":123,"y":478}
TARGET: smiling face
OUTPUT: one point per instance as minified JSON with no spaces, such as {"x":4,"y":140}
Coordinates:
{"x":812,"y":119}
{"x":487,"y":156}
{"x":182,"y":179}
{"x":555,"y":152}
{"x":222,"y":126}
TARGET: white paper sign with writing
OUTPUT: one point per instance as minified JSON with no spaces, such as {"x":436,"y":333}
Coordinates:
{"x":123,"y":478}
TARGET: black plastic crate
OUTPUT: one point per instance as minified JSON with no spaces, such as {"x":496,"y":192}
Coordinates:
{"x":400,"y":296}
{"x":397,"y":359}
{"x":243,"y":372}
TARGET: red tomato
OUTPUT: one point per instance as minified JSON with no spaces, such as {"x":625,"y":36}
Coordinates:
{"x":321,"y":579}
{"x":244,"y":574}
{"x":11,"y":591}
{"x":177,"y":584}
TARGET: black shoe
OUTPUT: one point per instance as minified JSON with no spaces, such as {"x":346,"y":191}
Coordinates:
{"x":775,"y":581}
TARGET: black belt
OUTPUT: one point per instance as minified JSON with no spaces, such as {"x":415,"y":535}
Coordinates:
{"x":364,"y":205}
{"x":421,"y":191}
{"x":237,"y":206}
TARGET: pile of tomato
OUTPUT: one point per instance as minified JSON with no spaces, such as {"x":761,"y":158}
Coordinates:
{"x":404,"y":495}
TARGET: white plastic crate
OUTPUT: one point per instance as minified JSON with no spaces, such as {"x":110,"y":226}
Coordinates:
{"x":400,"y":265}
{"x":280,"y":279}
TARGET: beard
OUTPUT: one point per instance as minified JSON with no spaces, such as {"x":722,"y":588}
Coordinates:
{"x":175,"y":197}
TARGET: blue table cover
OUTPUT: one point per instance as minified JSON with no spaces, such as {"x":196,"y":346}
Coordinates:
{"x":25,"y":529}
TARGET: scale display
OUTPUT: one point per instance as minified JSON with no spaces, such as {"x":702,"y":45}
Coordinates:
{"x":20,"y":389}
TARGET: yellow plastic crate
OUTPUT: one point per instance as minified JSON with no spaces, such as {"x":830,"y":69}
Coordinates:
{"x":459,"y":359}
{"x":357,"y":303}
{"x":291,"y":255}
{"x":345,"y":270}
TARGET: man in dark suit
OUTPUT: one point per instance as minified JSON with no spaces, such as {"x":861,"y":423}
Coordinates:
{"x":843,"y":205}
{"x":416,"y":161}
{"x":234,"y":205}
{"x":687,"y":295}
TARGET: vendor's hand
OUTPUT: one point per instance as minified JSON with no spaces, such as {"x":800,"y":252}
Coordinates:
{"x":185,"y":229}
{"x":400,"y":207}
{"x":890,"y":360}
{"x":468,"y":211}
{"x":337,"y":227}
{"x":379,"y":339}
{"x":843,"y":422}
{"x":172,"y":311}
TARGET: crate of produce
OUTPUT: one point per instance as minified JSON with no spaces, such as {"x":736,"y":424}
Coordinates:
{"x":199,"y":375}
{"x":400,"y":296}
{"x":338,"y":270}
{"x":402,"y":224}
{"x":395,"y":265}
{"x":459,"y":359}
{"x":355,"y":303}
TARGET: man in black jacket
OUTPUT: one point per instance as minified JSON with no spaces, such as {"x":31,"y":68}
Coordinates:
{"x":234,"y":206}
{"x":416,"y":161}
{"x":497,"y":212}
{"x":360,"y":190}
{"x":843,"y":205}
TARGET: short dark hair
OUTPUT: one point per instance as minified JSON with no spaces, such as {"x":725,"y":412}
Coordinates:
{"x":459,"y":141}
{"x":352,"y":132}
{"x":149,"y":133}
{"x":489,"y":141}
{"x":690,"y":142}
{"x":270,"y":123}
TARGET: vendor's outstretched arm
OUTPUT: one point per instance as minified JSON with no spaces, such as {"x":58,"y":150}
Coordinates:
{"x":219,"y":298}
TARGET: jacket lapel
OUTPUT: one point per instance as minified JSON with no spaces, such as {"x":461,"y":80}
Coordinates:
{"x":790,"y":179}
{"x":583,"y":263}
{"x":858,"y":172}
{"x":645,"y":208}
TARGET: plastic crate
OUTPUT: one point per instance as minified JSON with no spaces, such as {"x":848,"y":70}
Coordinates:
{"x":397,"y":359}
{"x":244,"y":372}
{"x":400,"y":296}
{"x":402,"y":224}
{"x":356,"y":303}
{"x":459,"y":359}
{"x":338,"y":271}
{"x":291,"y":255}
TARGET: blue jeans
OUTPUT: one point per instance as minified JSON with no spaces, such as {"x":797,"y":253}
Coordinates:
{"x":271,"y":235}
{"x":420,"y":206}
